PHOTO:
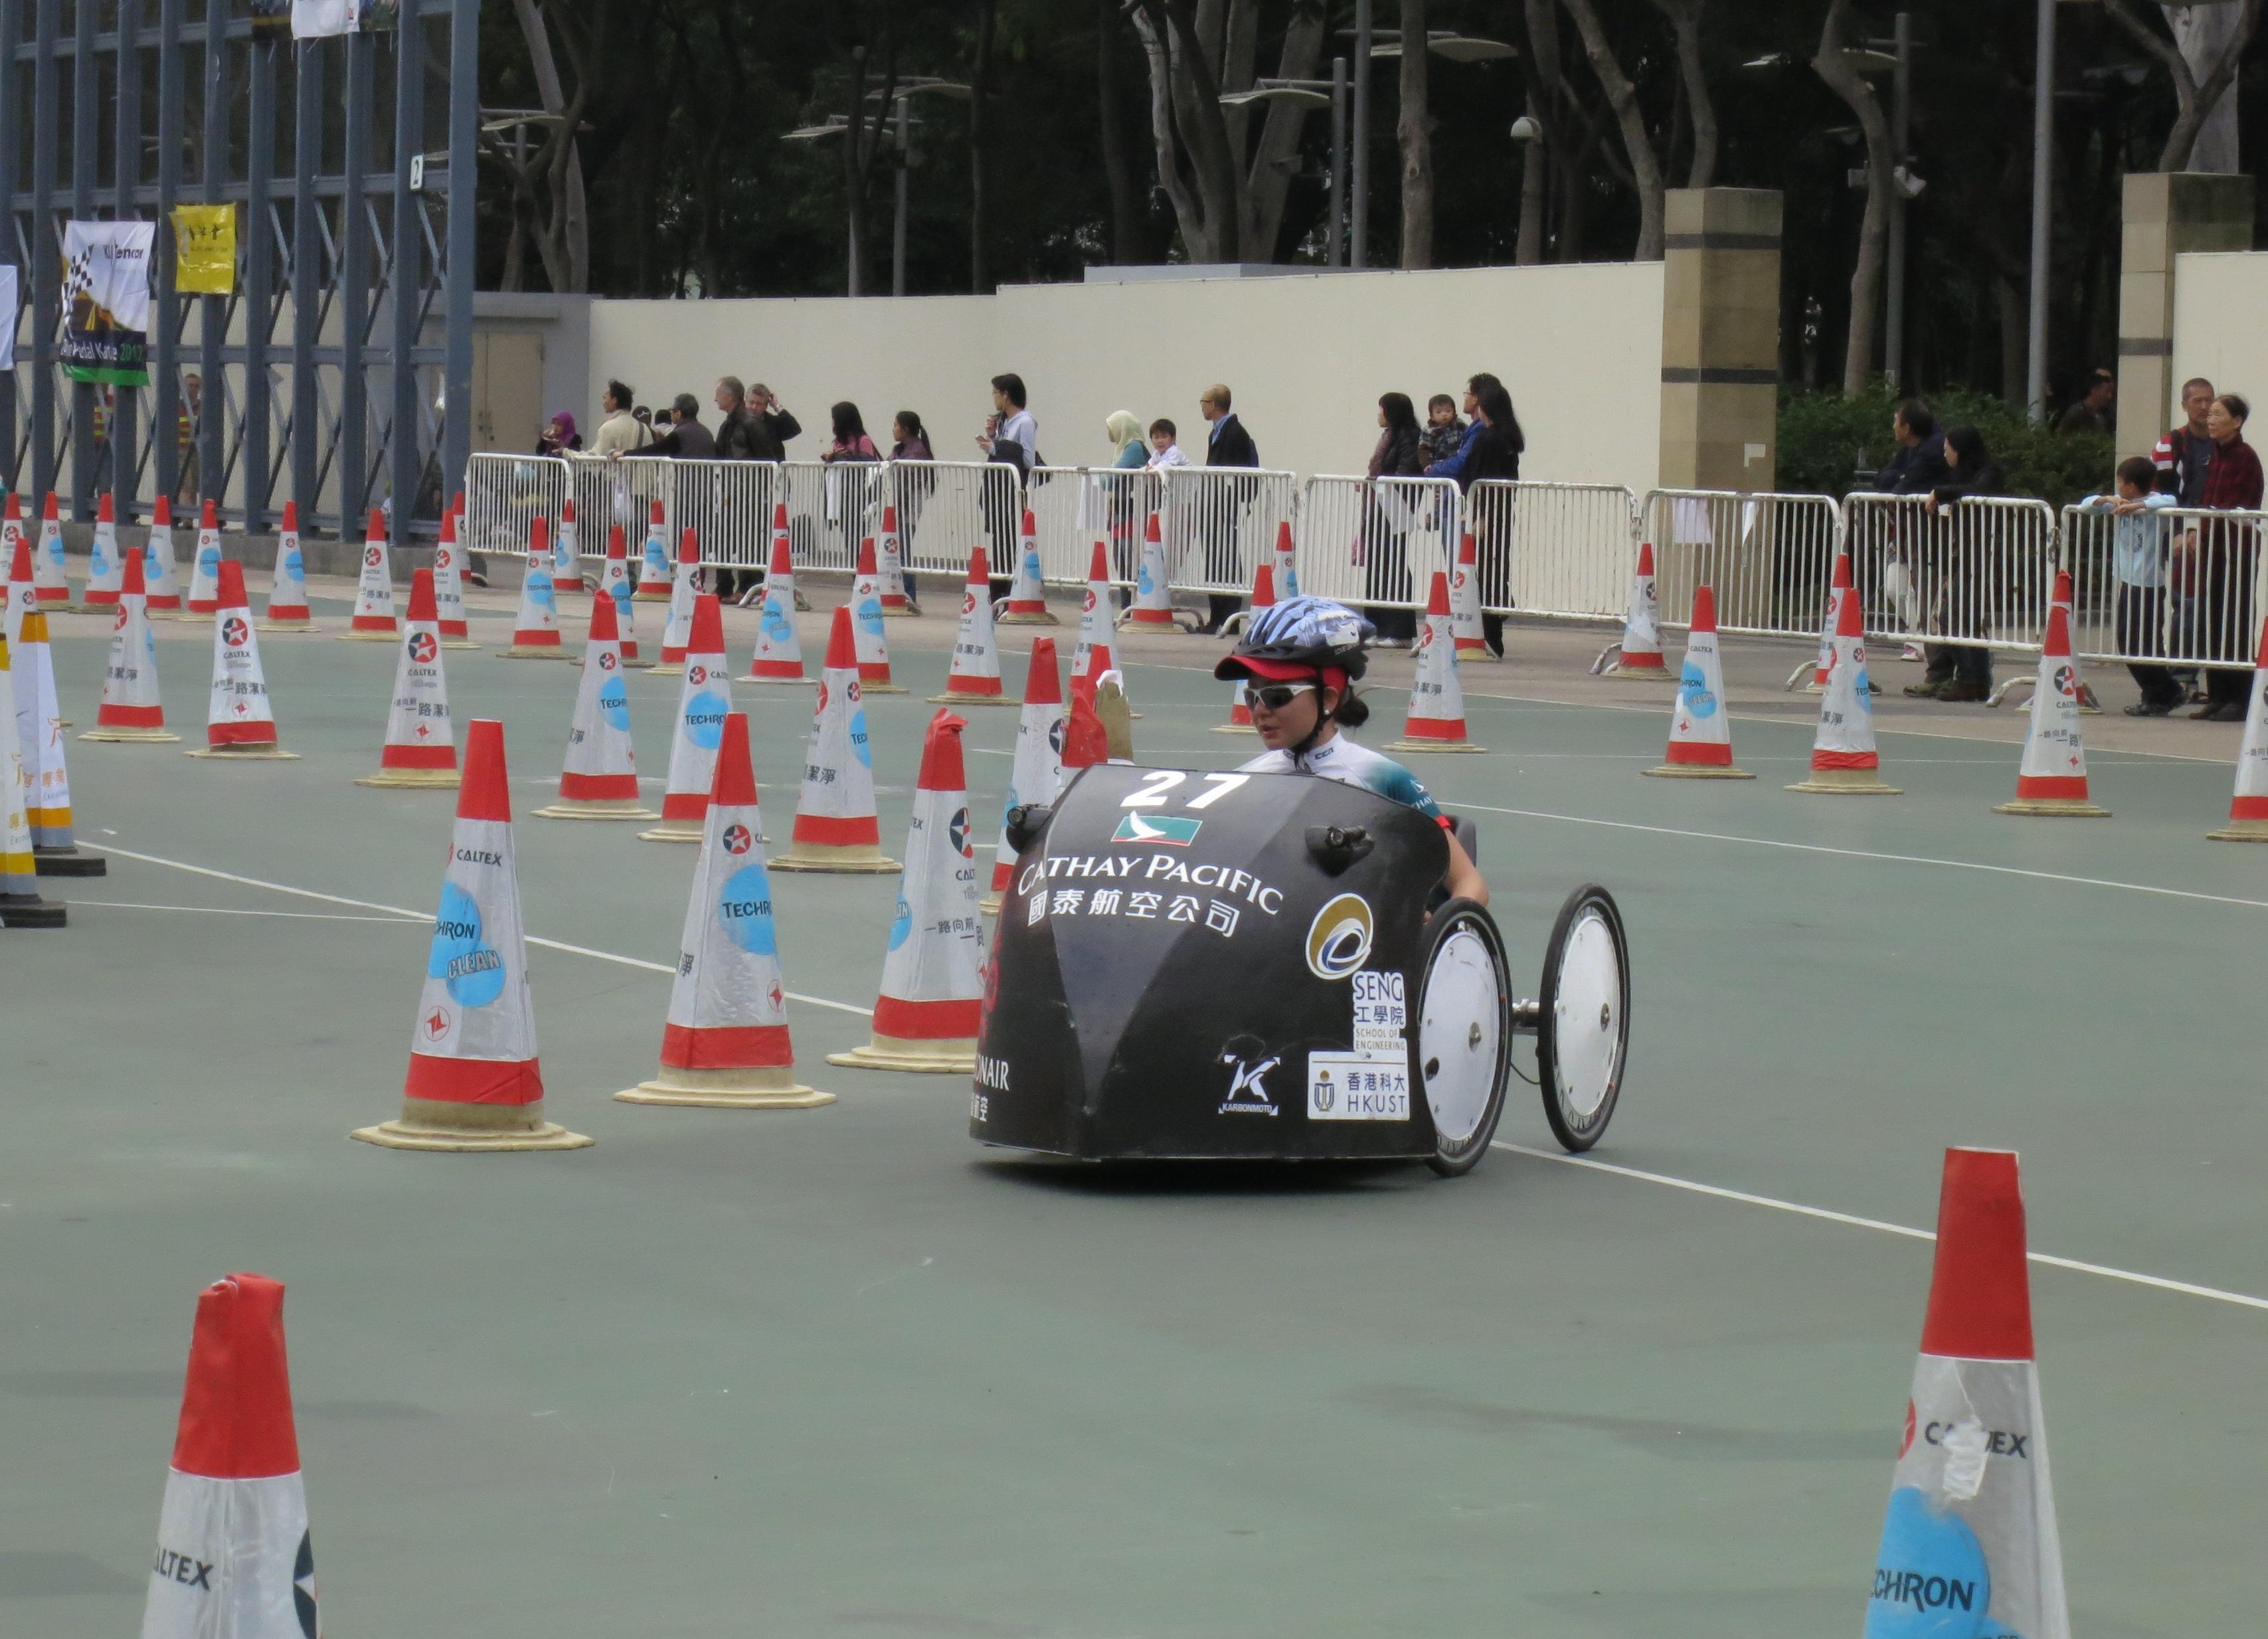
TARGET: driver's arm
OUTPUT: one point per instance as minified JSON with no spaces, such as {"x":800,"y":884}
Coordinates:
{"x":1464,"y":878}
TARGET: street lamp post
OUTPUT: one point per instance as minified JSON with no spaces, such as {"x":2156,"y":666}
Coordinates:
{"x":1894,"y":331}
{"x":1330,"y":93}
{"x":1370,"y":42}
{"x":1337,"y":257}
{"x":839,"y":125}
{"x":2035,"y":363}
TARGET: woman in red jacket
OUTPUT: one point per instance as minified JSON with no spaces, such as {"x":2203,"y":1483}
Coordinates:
{"x":2223,"y":559}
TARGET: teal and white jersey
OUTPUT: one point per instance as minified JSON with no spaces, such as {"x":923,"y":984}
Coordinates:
{"x":1339,"y":758}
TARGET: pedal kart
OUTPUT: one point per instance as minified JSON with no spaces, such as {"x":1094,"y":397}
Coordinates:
{"x":1194,"y":965}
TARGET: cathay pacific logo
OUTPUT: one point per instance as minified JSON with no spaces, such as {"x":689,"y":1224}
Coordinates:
{"x":1172,"y":829}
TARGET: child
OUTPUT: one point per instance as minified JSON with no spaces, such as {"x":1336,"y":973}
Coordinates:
{"x":1161,"y":440}
{"x":2138,"y":570}
{"x":1444,"y":430}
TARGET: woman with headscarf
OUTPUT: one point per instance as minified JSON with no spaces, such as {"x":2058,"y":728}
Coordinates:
{"x":560,"y":436}
{"x":1125,"y":500}
{"x":1974,"y":572}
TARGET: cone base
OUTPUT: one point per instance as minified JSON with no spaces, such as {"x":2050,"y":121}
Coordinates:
{"x":1846,"y":782}
{"x":951,"y":698}
{"x":370,"y":637}
{"x":244,"y":754}
{"x":68,"y":862}
{"x":1236,"y":728}
{"x":756,"y":1088}
{"x":411,"y":779}
{"x":30,"y":911}
{"x":458,"y":642}
{"x":612,"y":808}
{"x":1018,"y":617}
{"x":128,"y":736}
{"x":1655,"y":674}
{"x":890,"y":613}
{"x":271,"y":624}
{"x":1701,"y":771}
{"x":849,"y":858}
{"x":629,"y":664}
{"x":866,"y":687}
{"x":534,"y":651}
{"x":1434,"y":745}
{"x":674,"y":831}
{"x":990,"y":905}
{"x":2240,"y":831}
{"x":2069,"y":807}
{"x":433,"y":1136}
{"x":1479,"y":654}
{"x":788,"y":682}
{"x":955,"y":1057}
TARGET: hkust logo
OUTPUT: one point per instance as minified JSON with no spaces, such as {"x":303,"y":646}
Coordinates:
{"x":1174,"y":830}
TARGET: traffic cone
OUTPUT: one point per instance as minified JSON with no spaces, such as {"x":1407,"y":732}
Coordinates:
{"x":1086,"y":743}
{"x":779,"y":651}
{"x":240,"y":717}
{"x":1640,"y":657}
{"x":892,"y":563}
{"x":599,"y":779}
{"x":1036,"y":774}
{"x":23,"y":596}
{"x":373,"y":613}
{"x":161,"y":573}
{"x":567,"y":552}
{"x":835,"y":828}
{"x":46,"y":773}
{"x":614,"y":582}
{"x":1094,"y":616}
{"x":1154,"y":591}
{"x":2247,"y":810}
{"x":473,"y":1080}
{"x":867,"y":610}
{"x":105,"y":572}
{"x":420,"y":745}
{"x":654,"y":576}
{"x":703,"y":705}
{"x":204,"y":567}
{"x":1436,"y":721}
{"x":48,"y":577}
{"x":20,"y":904}
{"x":2052,"y":779}
{"x":931,"y":999}
{"x":1835,"y":594}
{"x":1239,"y":707}
{"x":677,"y":630}
{"x":1027,"y":598}
{"x":2089,"y":704}
{"x":725,"y":1045}
{"x":287,"y":591}
{"x":234,"y":1553}
{"x":1970,"y":1543}
{"x":449,"y":588}
{"x":974,"y":679}
{"x":1465,"y":604}
{"x":1287,"y":562}
{"x":1700,"y":723}
{"x":131,"y":708}
{"x":535,"y":628}
{"x":1843,"y":763}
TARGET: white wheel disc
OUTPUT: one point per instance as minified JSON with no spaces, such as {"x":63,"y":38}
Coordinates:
{"x":1587,"y":1031}
{"x":1458,"y":1035}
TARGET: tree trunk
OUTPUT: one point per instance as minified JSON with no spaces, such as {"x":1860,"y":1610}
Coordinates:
{"x":1268,"y":181}
{"x":1410,"y":129}
{"x":1128,"y":219}
{"x":563,"y":240}
{"x":2016,"y":339}
{"x":1833,"y":66}
{"x":1540,"y":67}
{"x":2201,"y":59}
{"x":1637,"y":142}
{"x":1701,"y":110}
{"x":980,"y":78}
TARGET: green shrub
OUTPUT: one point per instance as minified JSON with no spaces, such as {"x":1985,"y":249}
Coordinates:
{"x":1821,"y":434}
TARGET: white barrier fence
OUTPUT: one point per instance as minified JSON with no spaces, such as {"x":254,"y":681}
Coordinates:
{"x":505,"y":494}
{"x":1769,"y":558}
{"x":1074,"y":507}
{"x":1219,"y":524}
{"x":1559,"y":550}
{"x":1977,"y":573}
{"x":2173,"y":586}
{"x":1376,"y":542}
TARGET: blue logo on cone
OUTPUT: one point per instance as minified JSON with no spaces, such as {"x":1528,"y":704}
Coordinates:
{"x":473,"y":970}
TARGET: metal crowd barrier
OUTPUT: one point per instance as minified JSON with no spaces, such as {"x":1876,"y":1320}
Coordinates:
{"x":2173,"y":585}
{"x":831,"y":507}
{"x":1769,"y":557}
{"x":1560,"y":550}
{"x":607,"y":493}
{"x":945,"y":508}
{"x":1218,"y":524}
{"x":1979,"y":572}
{"x":504,"y":493}
{"x":1074,"y":507}
{"x":1375,"y":541}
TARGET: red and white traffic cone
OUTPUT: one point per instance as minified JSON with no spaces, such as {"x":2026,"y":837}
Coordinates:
{"x":725,"y":1045}
{"x":779,"y":651}
{"x":1835,"y":594}
{"x":867,"y":610}
{"x":105,"y":572}
{"x":288,"y":610}
{"x":835,"y":827}
{"x":374,"y":613}
{"x":449,"y":588}
{"x":1465,"y":611}
{"x":1639,"y":656}
{"x":1843,"y":761}
{"x":974,"y":679}
{"x":654,"y":578}
{"x":677,"y":630}
{"x":48,"y":578}
{"x":1700,"y":723}
{"x":41,"y":741}
{"x":204,"y":567}
{"x":2052,"y":779}
{"x":23,"y":596}
{"x":1437,"y":699}
{"x":131,"y":708}
{"x":1095,"y":614}
{"x":1287,"y":562}
{"x":1086,"y":743}
{"x":234,"y":1553}
{"x":1240,"y":706}
{"x":703,"y":705}
{"x":1036,"y":774}
{"x":931,"y":999}
{"x":161,"y":571}
{"x":1152,"y":608}
{"x":614,"y":582}
{"x":598,"y":778}
{"x":2247,"y":810}
{"x":1027,"y":596}
{"x":567,"y":552}
{"x":240,"y":717}
{"x":890,"y":558}
{"x":474,"y":1082}
{"x":20,"y":904}
{"x":535,"y":628}
{"x":1970,"y":1543}
{"x":421,"y":745}
{"x":2088,"y":704}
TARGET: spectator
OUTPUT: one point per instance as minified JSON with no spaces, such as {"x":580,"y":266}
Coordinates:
{"x":1164,"y":451}
{"x":2095,"y":412}
{"x":1962,"y":671}
{"x":911,"y":438}
{"x":1227,"y":444}
{"x":846,"y":498}
{"x":687,"y":439}
{"x":1387,"y":519}
{"x":1884,"y":558}
{"x":1444,"y":430}
{"x":740,"y":434}
{"x":1124,"y":430}
{"x":2184,"y":455}
{"x":852,"y":443}
{"x":619,"y":433}
{"x":2221,"y":559}
{"x":2138,"y":574}
{"x":559,"y":437}
{"x":1919,"y":467}
{"x":1122,"y":500}
{"x":1011,"y":437}
{"x":912,"y":489}
{"x":1494,"y":454}
{"x":775,"y":426}
{"x":1453,"y":466}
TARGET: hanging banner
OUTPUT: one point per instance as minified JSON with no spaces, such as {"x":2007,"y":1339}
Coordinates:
{"x":204,"y":250}
{"x":9,"y":312}
{"x":107,"y":295}
{"x":310,"y":18}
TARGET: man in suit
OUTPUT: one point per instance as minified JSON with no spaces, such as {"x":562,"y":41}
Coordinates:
{"x":1226,"y":444}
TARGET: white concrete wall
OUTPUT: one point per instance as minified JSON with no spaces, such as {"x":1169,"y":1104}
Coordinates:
{"x":1306,"y":356}
{"x":2221,"y":326}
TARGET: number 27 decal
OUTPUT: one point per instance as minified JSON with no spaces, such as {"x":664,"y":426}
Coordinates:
{"x":1152,"y":792}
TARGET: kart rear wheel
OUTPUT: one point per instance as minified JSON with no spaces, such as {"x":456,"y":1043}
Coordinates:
{"x":1582,"y":1041}
{"x":1462,"y":1053}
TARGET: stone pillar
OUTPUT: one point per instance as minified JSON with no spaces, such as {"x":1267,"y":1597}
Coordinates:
{"x":1720,"y":338}
{"x":2166,"y":212}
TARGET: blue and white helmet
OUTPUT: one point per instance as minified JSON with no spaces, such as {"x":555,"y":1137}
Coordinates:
{"x":1299,"y":635}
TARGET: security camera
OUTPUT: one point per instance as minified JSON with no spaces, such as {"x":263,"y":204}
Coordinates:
{"x":1908,"y":184}
{"x":1525,"y":130}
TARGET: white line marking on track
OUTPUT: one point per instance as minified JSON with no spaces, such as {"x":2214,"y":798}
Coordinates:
{"x":2187,"y":1289}
{"x":220,"y":910}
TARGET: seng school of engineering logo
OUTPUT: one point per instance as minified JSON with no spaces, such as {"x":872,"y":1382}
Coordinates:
{"x":1339,"y":938}
{"x":1174,"y":830}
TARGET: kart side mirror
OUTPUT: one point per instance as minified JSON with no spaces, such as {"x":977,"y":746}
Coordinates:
{"x":1334,"y":847}
{"x":1026,"y":821}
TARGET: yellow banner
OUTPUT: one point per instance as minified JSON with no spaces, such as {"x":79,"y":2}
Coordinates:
{"x":204,"y":249}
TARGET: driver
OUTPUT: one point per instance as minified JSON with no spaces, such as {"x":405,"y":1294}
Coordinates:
{"x":1298,"y":661}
